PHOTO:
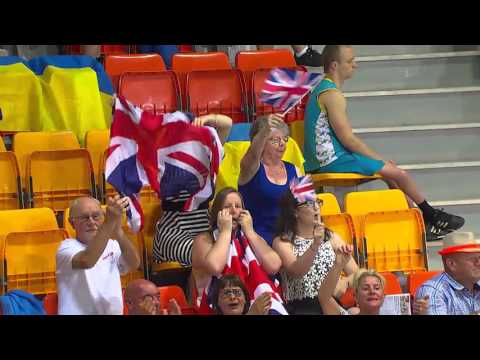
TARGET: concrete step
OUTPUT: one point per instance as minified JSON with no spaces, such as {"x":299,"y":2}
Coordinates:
{"x":413,"y":107}
{"x":416,"y":71}
{"x":372,"y":50}
{"x":425,"y":144}
{"x":441,"y":181}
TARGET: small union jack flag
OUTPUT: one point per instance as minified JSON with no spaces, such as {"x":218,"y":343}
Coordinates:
{"x":284,"y":88}
{"x":302,"y":189}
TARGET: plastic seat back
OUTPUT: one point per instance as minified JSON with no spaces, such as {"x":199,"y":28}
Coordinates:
{"x":57,"y":177}
{"x":174,"y":292}
{"x":183,"y":63}
{"x":359,"y":203}
{"x":394,"y":241}
{"x":10,"y":183}
{"x":50,"y":304}
{"x":2,"y":145}
{"x":330,"y":204}
{"x":115,"y":65}
{"x":30,"y":260}
{"x":96,"y":142}
{"x":342,"y":225}
{"x":24,"y":143}
{"x":417,"y":278}
{"x":154,"y":91}
{"x":217,"y":91}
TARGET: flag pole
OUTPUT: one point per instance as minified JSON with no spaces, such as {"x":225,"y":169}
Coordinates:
{"x":296,"y":102}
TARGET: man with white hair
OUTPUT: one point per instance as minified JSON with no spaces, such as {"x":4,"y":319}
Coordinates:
{"x":456,"y":291}
{"x":89,"y":266}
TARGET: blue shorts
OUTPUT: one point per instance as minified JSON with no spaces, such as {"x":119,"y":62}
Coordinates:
{"x":165,"y":51}
{"x":353,"y":163}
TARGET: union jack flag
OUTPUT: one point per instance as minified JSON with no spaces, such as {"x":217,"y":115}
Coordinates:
{"x":284,"y":88}
{"x":302,"y":189}
{"x":164,"y":151}
{"x":241,"y":261}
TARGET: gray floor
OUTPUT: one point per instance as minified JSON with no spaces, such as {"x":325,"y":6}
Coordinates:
{"x":434,"y":259}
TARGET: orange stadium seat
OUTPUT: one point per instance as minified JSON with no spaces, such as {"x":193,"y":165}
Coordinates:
{"x":417,"y":278}
{"x":115,"y":65}
{"x":217,"y":91}
{"x":174,"y":292}
{"x":183,"y":63}
{"x":155,"y":91}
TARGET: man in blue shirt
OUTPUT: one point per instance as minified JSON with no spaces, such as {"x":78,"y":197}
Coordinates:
{"x":456,"y":291}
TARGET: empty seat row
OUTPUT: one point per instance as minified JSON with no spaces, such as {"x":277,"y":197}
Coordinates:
{"x":200,"y":82}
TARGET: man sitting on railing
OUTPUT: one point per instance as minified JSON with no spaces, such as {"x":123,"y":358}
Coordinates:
{"x":332,"y":147}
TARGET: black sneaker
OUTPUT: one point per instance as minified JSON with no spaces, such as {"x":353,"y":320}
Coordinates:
{"x":310,"y":58}
{"x":435,"y":234}
{"x":445,"y":221}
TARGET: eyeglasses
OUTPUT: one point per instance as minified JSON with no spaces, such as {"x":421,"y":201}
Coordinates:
{"x":311,"y":203}
{"x":98,"y":216}
{"x":232,"y":292}
{"x":277,"y":140}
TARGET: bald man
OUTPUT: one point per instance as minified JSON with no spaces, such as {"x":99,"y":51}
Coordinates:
{"x":143,"y":298}
{"x":89,"y":266}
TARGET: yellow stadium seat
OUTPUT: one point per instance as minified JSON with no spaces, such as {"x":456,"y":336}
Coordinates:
{"x":330,"y":204}
{"x":358,"y":204}
{"x":235,"y":150}
{"x":342,"y":225}
{"x":57,"y":177}
{"x":30,"y":260}
{"x":341,"y":179}
{"x":297,"y":132}
{"x":27,"y":220}
{"x":152,"y":213}
{"x":2,"y":145}
{"x":23,"y":220}
{"x":96,"y":142}
{"x":136,"y":238}
{"x":10,"y":184}
{"x":24,"y":143}
{"x":394,"y":241}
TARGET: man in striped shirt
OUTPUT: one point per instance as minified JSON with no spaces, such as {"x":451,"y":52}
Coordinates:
{"x":456,"y":291}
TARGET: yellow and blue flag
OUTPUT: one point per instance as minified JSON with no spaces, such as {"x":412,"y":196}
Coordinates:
{"x":54,"y":93}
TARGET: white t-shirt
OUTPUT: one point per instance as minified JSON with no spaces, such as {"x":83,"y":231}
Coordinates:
{"x":94,"y":291}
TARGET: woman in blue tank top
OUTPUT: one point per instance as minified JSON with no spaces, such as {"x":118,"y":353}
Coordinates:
{"x":264,"y":177}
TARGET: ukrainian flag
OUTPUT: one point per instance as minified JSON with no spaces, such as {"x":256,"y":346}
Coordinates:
{"x":235,"y":148}
{"x":53,"y":93}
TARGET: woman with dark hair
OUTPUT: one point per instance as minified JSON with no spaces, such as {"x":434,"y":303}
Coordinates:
{"x":264,"y":176}
{"x":230,"y":297}
{"x":229,"y":223}
{"x":307,"y":249}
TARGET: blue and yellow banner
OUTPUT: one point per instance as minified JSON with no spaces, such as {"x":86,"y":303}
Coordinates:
{"x":53,"y":93}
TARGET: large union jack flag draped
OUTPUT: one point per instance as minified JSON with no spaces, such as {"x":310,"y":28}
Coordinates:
{"x":163,"y":151}
{"x":283,"y":88}
{"x":242,"y":262}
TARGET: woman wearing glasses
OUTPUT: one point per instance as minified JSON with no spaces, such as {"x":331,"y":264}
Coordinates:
{"x":230,"y":297}
{"x":264,"y":177}
{"x":307,"y":249}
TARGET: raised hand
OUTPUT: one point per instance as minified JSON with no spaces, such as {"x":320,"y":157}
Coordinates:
{"x":343,"y":254}
{"x":149,"y":306}
{"x":224,"y":221}
{"x":261,"y":305}
{"x":275,"y":121}
{"x":115,"y":207}
{"x":174,"y":308}
{"x":245,"y":220}
{"x":319,"y":232}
